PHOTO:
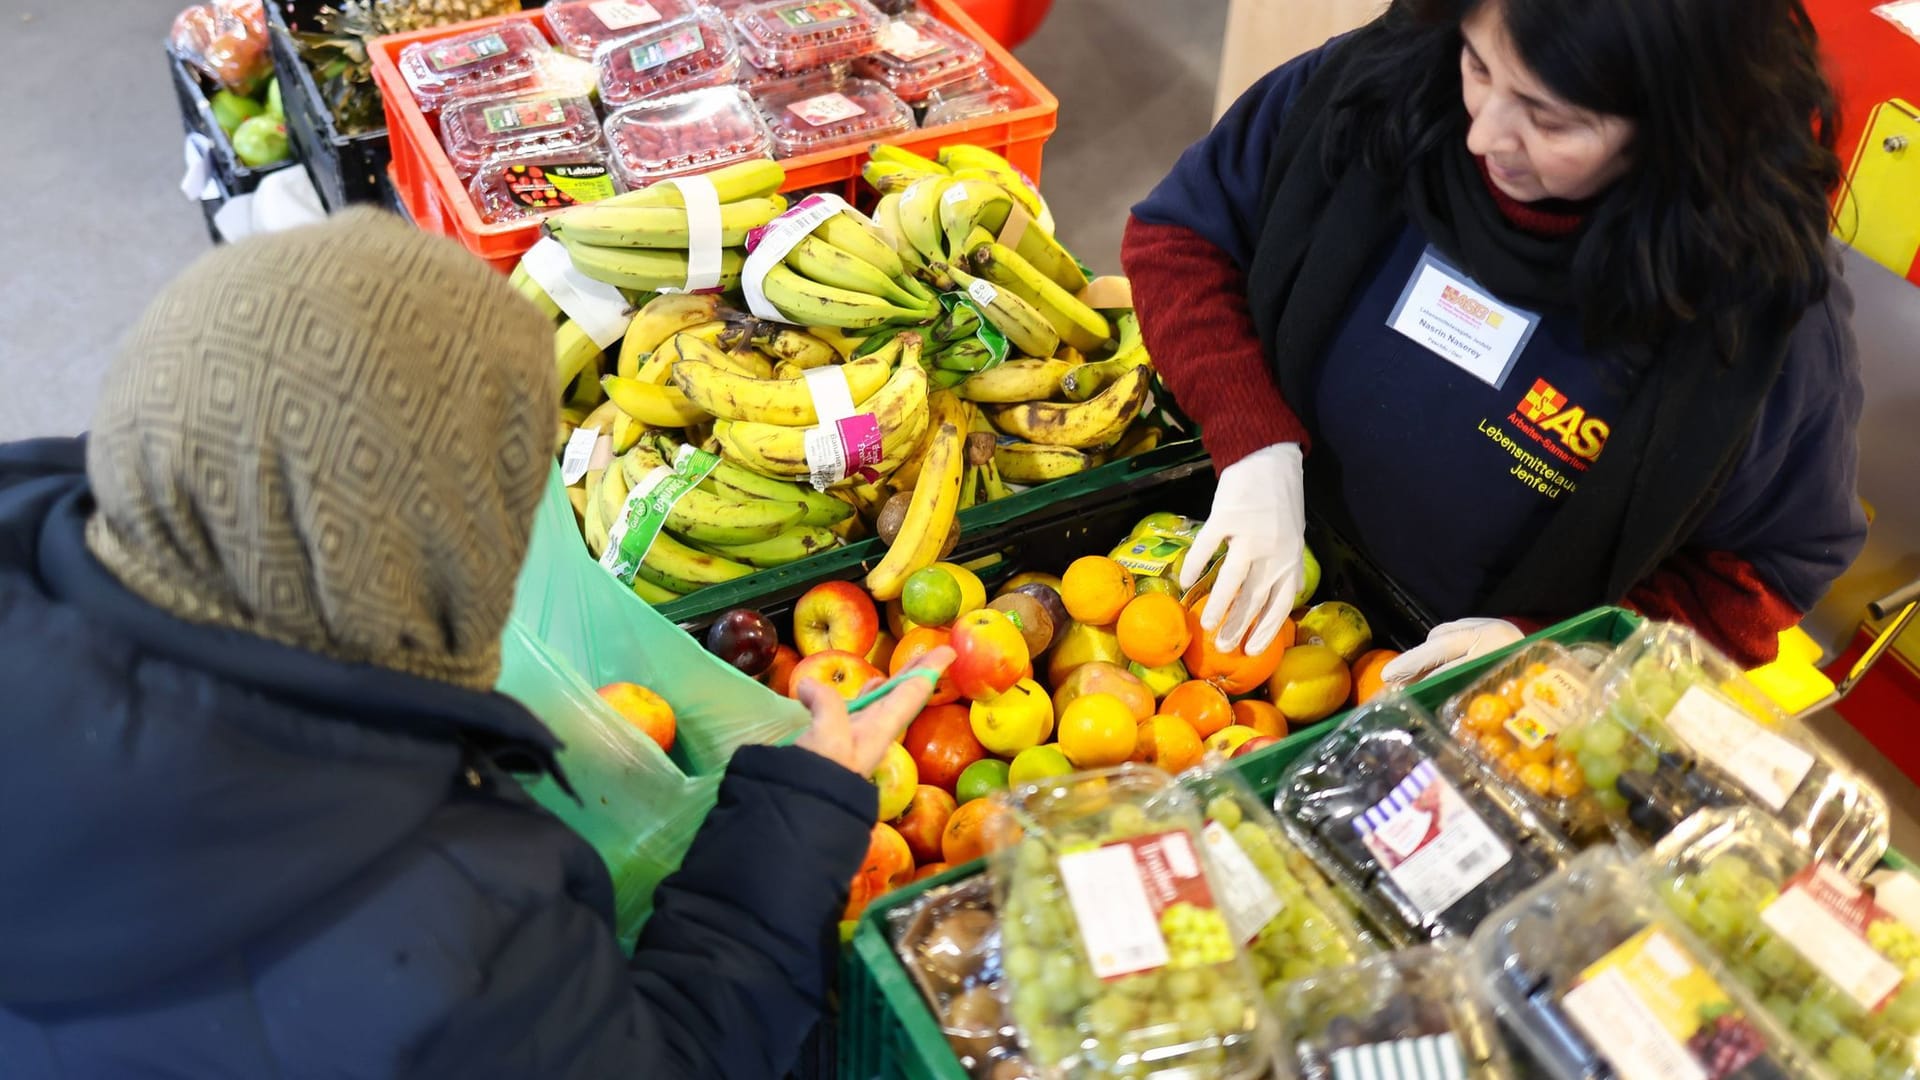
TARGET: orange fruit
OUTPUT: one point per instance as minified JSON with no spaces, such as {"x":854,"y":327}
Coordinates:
{"x":1097,"y":730}
{"x":1262,"y":716}
{"x":1311,"y":683}
{"x":1536,"y":778}
{"x":1201,"y":704}
{"x":1367,"y":683}
{"x":1169,"y":742}
{"x":973,"y":830}
{"x":1096,"y":589}
{"x":1486,"y":712}
{"x":1153,"y":629}
{"x":1235,"y":672}
{"x":1495,"y":745}
{"x":916,"y":643}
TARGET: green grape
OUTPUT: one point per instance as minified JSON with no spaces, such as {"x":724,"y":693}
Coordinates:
{"x":1777,"y":961}
{"x":1815,"y":1022}
{"x":1226,"y":811}
{"x":1127,"y":820}
{"x":1603,"y":741}
{"x":1610,"y":801}
{"x":1850,"y":1056}
{"x":1600,"y":773}
{"x":1034,"y":860}
{"x":1022,"y":964}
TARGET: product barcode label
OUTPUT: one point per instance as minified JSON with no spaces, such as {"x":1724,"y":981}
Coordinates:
{"x":456,"y":54}
{"x":1244,"y":892}
{"x":579,"y":455}
{"x":983,"y":292}
{"x":826,"y":109}
{"x":1430,"y":842}
{"x":1430,"y":1057}
{"x":624,"y":14}
{"x":1123,"y":895}
{"x":682,"y":42}
{"x":1825,"y":917}
{"x":1768,"y":766}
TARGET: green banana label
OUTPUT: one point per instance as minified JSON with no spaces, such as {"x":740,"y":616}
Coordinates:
{"x":991,"y":348}
{"x":646,"y":510}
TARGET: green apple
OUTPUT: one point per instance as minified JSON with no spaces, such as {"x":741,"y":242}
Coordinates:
{"x":275,"y":108}
{"x":259,"y":141}
{"x":230,"y":110}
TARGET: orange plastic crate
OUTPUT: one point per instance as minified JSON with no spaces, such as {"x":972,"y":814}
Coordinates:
{"x":426,"y":185}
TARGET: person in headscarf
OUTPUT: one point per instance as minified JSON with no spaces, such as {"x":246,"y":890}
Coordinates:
{"x":259,"y":817}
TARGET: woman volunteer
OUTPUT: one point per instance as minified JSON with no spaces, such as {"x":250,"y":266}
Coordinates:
{"x":258,"y":818}
{"x":1545,"y":288}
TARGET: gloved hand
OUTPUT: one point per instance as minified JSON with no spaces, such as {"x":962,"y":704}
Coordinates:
{"x":1450,"y":645}
{"x":1260,"y":513}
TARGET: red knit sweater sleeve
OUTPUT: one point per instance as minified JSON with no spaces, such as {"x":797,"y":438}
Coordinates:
{"x":1193,"y":312}
{"x":1723,"y":597}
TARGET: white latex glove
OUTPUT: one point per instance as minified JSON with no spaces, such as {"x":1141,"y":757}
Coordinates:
{"x":1260,"y":514}
{"x":1450,"y":645}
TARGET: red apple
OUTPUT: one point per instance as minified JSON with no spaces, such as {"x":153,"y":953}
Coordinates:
{"x":889,"y":861}
{"x":942,"y":743}
{"x":990,"y":654}
{"x":744,"y":638}
{"x":929,"y":869}
{"x":924,"y":822}
{"x":835,"y":615}
{"x":846,"y":673}
{"x":779,"y":675}
{"x":1258,"y":742}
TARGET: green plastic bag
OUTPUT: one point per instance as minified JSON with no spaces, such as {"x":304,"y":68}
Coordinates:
{"x":574,"y":628}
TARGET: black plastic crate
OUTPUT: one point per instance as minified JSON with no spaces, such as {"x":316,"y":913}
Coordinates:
{"x":345,"y":169}
{"x":196,"y":114}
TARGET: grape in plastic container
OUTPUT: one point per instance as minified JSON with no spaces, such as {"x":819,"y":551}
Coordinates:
{"x":1367,"y":1018}
{"x":808,"y":118}
{"x":1118,"y":959}
{"x":580,"y":27}
{"x":1279,"y":904}
{"x":509,"y":187}
{"x":1599,"y":980}
{"x":685,"y":133}
{"x":1822,"y":957}
{"x":686,"y":54}
{"x":474,"y":130}
{"x":500,"y":59}
{"x":949,"y":941}
{"x":1425,"y":838}
{"x":1512,"y":718}
{"x":1676,"y":727}
{"x":794,"y":35}
{"x":919,"y":54}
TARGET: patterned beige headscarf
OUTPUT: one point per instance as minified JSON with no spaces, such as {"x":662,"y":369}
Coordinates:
{"x":332,"y":438}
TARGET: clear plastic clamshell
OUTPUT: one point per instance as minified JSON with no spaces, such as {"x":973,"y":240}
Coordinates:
{"x":1411,"y":1014}
{"x":582,"y":26}
{"x":686,"y":54}
{"x":684,"y":134}
{"x":794,"y":35}
{"x":475,"y":130}
{"x":500,"y":59}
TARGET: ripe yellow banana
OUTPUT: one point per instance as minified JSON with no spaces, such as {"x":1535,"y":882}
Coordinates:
{"x":887,"y":216}
{"x":1138,"y":441}
{"x":1050,"y":258}
{"x":791,"y":545}
{"x":980,"y":204}
{"x":1032,"y":463}
{"x":862,"y":241}
{"x":573,"y":350}
{"x":593,"y":523}
{"x":744,"y":180}
{"x":659,"y":226}
{"x":737,"y":484}
{"x":602,"y":417}
{"x":524,"y":284}
{"x":790,"y":345}
{"x":653,"y":594}
{"x":966,"y":158}
{"x":654,"y":406}
{"x":1015,"y":381}
{"x":612,"y":495}
{"x":813,"y":304}
{"x":647,"y":269}
{"x":729,"y":396}
{"x":929,"y":518}
{"x":1077,"y":324}
{"x":704,"y":517}
{"x":919,"y":211}
{"x":626,"y":431}
{"x":678,"y":568}
{"x":899,"y":408}
{"x":1083,"y":382}
{"x":943,"y":407}
{"x":1085,"y":425}
{"x":1026,"y":328}
{"x":659,"y":319}
{"x":899,"y":155}
{"x":889,"y":177}
{"x":577,"y":497}
{"x":822,"y":262}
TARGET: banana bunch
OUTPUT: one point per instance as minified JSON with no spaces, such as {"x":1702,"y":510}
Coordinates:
{"x":846,"y":274}
{"x":639,"y":240}
{"x":899,"y":406}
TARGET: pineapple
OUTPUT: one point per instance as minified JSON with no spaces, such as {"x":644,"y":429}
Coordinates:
{"x":337,"y":53}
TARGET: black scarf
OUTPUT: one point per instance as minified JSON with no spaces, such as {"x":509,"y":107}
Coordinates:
{"x":1690,"y":414}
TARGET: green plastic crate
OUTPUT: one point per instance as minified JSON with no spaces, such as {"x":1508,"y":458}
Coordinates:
{"x":886,"y":1031}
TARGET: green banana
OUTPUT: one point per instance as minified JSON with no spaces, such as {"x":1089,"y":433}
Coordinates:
{"x":708,"y":518}
{"x":863,"y":242}
{"x":966,"y":356}
{"x":814,"y":304}
{"x":757,"y":178}
{"x":1077,"y":324}
{"x":737,"y":484}
{"x":646,"y":268}
{"x":790,"y":546}
{"x":919,"y":210}
{"x":822,"y":262}
{"x":673,"y":565}
{"x":653,"y":594}
{"x":659,"y":226}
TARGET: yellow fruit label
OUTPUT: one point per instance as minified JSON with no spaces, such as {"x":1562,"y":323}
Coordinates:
{"x":1655,"y":1014}
{"x":1151,"y":556}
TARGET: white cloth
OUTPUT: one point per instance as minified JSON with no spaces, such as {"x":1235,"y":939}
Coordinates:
{"x":1260,"y":514}
{"x":1450,"y":645}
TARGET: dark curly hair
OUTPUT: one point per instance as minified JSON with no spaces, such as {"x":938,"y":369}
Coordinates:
{"x":1723,"y":218}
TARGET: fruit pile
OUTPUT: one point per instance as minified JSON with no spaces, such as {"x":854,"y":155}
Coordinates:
{"x":1514,"y":718}
{"x":859,"y":399}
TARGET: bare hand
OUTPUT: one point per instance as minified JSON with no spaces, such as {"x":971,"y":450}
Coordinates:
{"x":860,"y":742}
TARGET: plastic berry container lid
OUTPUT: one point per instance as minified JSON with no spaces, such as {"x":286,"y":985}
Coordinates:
{"x":580,"y":27}
{"x":1365,"y":1018}
{"x":509,"y":187}
{"x":810,"y":117}
{"x":944,"y":108}
{"x":686,"y":54}
{"x":793,"y":35}
{"x":685,"y":133}
{"x":918,"y":54}
{"x":503,"y":58}
{"x":1424,"y":837}
{"x":1597,"y":978}
{"x":759,"y":81}
{"x":475,"y":130}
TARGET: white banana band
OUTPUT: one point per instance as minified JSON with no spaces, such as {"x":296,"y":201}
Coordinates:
{"x":844,"y":442}
{"x":704,"y":233}
{"x":597,"y":307}
{"x":772,"y":244}
{"x":578,"y":459}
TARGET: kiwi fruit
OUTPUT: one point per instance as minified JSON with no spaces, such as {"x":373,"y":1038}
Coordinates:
{"x":892,"y":514}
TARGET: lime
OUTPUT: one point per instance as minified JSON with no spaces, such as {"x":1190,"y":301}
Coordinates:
{"x":1154,"y":583}
{"x":1038,"y":763}
{"x":931,"y":597}
{"x":980,"y":779}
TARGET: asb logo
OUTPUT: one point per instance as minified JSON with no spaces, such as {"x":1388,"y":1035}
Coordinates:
{"x":1582,"y":435}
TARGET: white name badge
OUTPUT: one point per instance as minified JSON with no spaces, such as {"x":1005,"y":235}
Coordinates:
{"x":1458,"y":321}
